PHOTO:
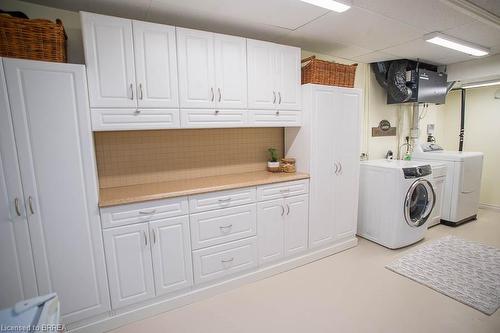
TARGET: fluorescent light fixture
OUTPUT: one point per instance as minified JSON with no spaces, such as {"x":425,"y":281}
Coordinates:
{"x":481,"y":84}
{"x":456,"y":44}
{"x":336,"y":6}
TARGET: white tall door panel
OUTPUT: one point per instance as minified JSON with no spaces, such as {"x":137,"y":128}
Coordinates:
{"x":54,"y":142}
{"x":322,"y":187}
{"x":262,"y":71}
{"x":230,"y":71}
{"x":296,"y":224}
{"x":155,"y":65}
{"x":346,"y":126}
{"x":171,"y":251}
{"x":17,"y":271}
{"x":288,"y":85}
{"x":109,"y":56}
{"x":270,"y":219}
{"x":195,"y":50}
{"x":128,"y":258}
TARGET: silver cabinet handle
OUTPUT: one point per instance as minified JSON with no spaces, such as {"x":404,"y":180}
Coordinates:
{"x":282,"y":210}
{"x":131,"y":91}
{"x":274,"y":97}
{"x":279,"y":97}
{"x":154,"y":236}
{"x":227,"y":260}
{"x":277,"y":113}
{"x":225,"y":200}
{"x":287,"y":209}
{"x":217,"y":112}
{"x":220,"y":94}
{"x":225,"y":227}
{"x":340,"y":170}
{"x":336,"y":168}
{"x":145,"y":238}
{"x":140,"y":91}
{"x":137,"y":112}
{"x":150,"y":212}
{"x":212,"y":94}
{"x":30,"y":204}
{"x":16,"y":205}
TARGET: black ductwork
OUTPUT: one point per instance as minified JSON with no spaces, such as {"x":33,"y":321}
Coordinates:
{"x":396,"y":82}
{"x":408,"y":81}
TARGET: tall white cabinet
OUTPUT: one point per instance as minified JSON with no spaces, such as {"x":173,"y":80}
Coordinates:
{"x":52,"y":191}
{"x":327,"y":146}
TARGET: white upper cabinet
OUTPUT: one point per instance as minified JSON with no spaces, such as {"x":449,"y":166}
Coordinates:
{"x":230,"y":71}
{"x":195,"y":51}
{"x":212,"y":70}
{"x":273,"y":76}
{"x":261,"y":75}
{"x":50,"y":114}
{"x":155,"y":65}
{"x":109,"y":56}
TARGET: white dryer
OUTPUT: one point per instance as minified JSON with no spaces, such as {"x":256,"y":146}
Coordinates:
{"x":462,"y":184}
{"x":395,"y":202}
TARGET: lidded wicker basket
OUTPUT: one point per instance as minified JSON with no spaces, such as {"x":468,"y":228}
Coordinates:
{"x":328,"y":73}
{"x":36,"y":39}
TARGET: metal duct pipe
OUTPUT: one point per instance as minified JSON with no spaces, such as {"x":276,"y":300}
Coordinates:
{"x":449,"y":86}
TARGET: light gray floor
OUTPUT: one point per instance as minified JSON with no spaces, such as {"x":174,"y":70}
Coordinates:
{"x":348,"y":292}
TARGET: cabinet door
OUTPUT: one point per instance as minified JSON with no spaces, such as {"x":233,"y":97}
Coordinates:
{"x":195,"y":51}
{"x":17,"y":271}
{"x":171,"y":250}
{"x":230,"y":71}
{"x":155,"y":65}
{"x":109,"y":57}
{"x":296,"y":224}
{"x":346,"y":126}
{"x":262,"y":71}
{"x":288,"y":85}
{"x":56,"y":157}
{"x":128,"y":258}
{"x":270,"y":229}
{"x":322,"y":185}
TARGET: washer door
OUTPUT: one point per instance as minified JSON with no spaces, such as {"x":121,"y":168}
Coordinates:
{"x":419,"y":202}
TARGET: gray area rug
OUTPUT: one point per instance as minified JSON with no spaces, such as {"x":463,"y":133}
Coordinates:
{"x":463,"y":270}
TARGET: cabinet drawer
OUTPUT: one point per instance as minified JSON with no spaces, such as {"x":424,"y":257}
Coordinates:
{"x":263,"y":118}
{"x":221,"y":199}
{"x":223,"y":225}
{"x":134,"y":119}
{"x":191,"y":118}
{"x":282,"y":190}
{"x":222,"y":260}
{"x":143,"y":211}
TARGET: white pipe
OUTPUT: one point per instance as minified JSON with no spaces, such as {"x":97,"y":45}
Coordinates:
{"x":415,"y":130}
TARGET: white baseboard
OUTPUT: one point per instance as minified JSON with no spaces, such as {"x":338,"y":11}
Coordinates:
{"x":120,"y":318}
{"x":490,"y":206}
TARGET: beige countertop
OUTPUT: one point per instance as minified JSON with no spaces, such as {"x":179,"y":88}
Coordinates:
{"x":144,"y":192}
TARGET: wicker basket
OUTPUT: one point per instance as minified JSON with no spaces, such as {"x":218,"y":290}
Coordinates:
{"x":329,"y":73}
{"x":32,"y":39}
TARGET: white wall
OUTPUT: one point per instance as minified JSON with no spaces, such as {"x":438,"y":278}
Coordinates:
{"x":71,"y":22}
{"x":482,"y":133}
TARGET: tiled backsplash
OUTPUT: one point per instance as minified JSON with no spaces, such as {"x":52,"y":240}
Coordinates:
{"x":138,"y":157}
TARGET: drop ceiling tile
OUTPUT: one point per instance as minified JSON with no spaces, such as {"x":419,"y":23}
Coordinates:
{"x":374,"y":57}
{"x":360,"y":28}
{"x":478,"y":33}
{"x":288,"y":14}
{"x":223,"y":24}
{"x":425,"y":15}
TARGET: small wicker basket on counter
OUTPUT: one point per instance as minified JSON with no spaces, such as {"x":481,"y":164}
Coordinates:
{"x":288,"y":165}
{"x":32,"y":39}
{"x":328,"y":73}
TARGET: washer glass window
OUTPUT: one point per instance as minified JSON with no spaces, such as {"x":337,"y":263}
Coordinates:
{"x":419,"y":203}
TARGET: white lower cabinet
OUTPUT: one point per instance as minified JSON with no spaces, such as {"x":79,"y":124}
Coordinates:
{"x":171,"y":252}
{"x":130,"y":270}
{"x":219,"y":261}
{"x":282,"y":225}
{"x":148,"y":259}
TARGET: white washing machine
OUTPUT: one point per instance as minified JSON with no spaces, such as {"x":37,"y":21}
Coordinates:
{"x":395,"y":202}
{"x":462,"y":184}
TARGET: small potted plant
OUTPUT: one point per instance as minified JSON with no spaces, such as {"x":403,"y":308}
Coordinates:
{"x":273,"y":164}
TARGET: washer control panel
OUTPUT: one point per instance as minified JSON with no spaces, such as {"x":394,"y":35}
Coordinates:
{"x":417,"y":172}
